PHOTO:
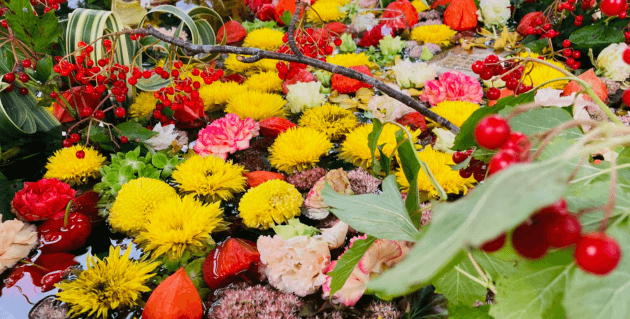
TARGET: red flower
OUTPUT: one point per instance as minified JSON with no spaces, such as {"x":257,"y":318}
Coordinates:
{"x":347,"y":85}
{"x":42,"y":200}
{"x":394,"y":17}
{"x":374,"y":35}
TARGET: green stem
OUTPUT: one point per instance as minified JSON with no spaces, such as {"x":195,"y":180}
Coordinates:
{"x":67,"y":214}
{"x":471,"y":277}
{"x":33,"y":264}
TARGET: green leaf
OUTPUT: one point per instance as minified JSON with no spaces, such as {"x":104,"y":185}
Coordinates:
{"x":540,"y":120}
{"x":294,"y":228}
{"x":605,"y":297}
{"x":384,"y":160}
{"x":503,"y":201}
{"x":7,"y":60}
{"x":465,"y":140}
{"x":257,"y":24}
{"x":347,"y":262}
{"x":530,"y":292}
{"x":377,"y":129}
{"x":286,"y":17}
{"x":194,"y":270}
{"x":382,"y":216}
{"x":537,"y":46}
{"x":46,"y":32}
{"x":426,"y":304}
{"x":598,"y":35}
{"x":159,"y":160}
{"x":135,"y":131}
{"x":7,"y":191}
{"x":20,"y":20}
{"x":468,"y":312}
{"x":44,"y":69}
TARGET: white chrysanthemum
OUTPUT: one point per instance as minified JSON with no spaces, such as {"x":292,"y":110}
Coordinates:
{"x":610,"y":62}
{"x":495,"y":12}
{"x":166,"y":136}
{"x":413,"y":74}
{"x":304,"y":95}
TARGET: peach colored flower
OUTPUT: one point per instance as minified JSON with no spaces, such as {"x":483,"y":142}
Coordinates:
{"x":226,"y":136}
{"x":452,"y":86}
{"x":316,"y":208}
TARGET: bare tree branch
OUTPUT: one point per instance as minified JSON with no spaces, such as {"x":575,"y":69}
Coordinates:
{"x":291,"y":32}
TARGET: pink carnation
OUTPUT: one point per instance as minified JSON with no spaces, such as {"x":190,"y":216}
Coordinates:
{"x":226,"y":136}
{"x":452,"y":86}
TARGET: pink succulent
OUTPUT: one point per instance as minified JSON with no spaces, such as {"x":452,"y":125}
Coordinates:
{"x":452,"y":86}
{"x":382,"y":255}
{"x":226,"y":136}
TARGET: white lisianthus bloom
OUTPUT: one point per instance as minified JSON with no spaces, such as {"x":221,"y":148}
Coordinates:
{"x":166,"y":136}
{"x":494,"y":12}
{"x":304,"y":95}
{"x":413,"y":74}
{"x":610,"y":62}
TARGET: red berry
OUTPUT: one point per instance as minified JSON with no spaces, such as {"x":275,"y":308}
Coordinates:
{"x":597,"y":253}
{"x":529,"y":241}
{"x":626,"y":97}
{"x":67,"y":143}
{"x":465,"y":173}
{"x":576,"y":54}
{"x":626,"y":56}
{"x":623,"y":15}
{"x":4,"y":24}
{"x":124,"y":139}
{"x":492,"y":58}
{"x":120,"y":112}
{"x":562,"y":230}
{"x":566,"y":43}
{"x":478,"y":67}
{"x":9,"y":88}
{"x":494,"y":245}
{"x":26,"y":63}
{"x":519,"y":143}
{"x":547,"y":27}
{"x":99,"y":115}
{"x":558,"y":208}
{"x":501,"y":160}
{"x":157,"y":114}
{"x":24,"y":77}
{"x":493,"y":94}
{"x":567,"y":52}
{"x":338,"y":42}
{"x":492,"y":132}
{"x":75,"y":138}
{"x":23,"y":91}
{"x":459,"y":157}
{"x":54,"y":95}
{"x":612,"y":7}
{"x":9,"y":77}
{"x":486,"y":74}
{"x":80,"y":154}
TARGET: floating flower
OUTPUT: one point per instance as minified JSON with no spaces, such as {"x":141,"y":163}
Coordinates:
{"x":338,"y":180}
{"x":112,"y":283}
{"x":264,"y":39}
{"x":295,"y":265}
{"x":355,"y":148}
{"x":611,"y":64}
{"x":440,"y":165}
{"x":329,"y":119}
{"x":363,"y":182}
{"x":439,"y":34}
{"x":324,"y":10}
{"x":457,"y":112}
{"x":135,"y":202}
{"x":210,"y":177}
{"x":382,"y":255}
{"x":181,"y":224}
{"x":272,"y":202}
{"x":452,"y":86}
{"x":350,"y":59}
{"x":537,"y":73}
{"x":225,"y":136}
{"x":42,"y":200}
{"x":64,"y":165}
{"x":494,"y":12}
{"x":17,"y":239}
{"x":143,"y":105}
{"x":265,"y":82}
{"x":217,"y":94}
{"x":256,"y":302}
{"x":304,"y":95}
{"x":233,"y":64}
{"x":257,"y":105}
{"x":298,"y":149}
{"x":413,"y":74}
{"x":167,"y":137}
{"x":386,"y":108}
{"x":305,"y":180}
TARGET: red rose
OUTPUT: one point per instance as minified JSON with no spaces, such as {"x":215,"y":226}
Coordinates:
{"x":42,"y":200}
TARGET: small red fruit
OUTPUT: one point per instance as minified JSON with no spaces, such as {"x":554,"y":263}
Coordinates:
{"x":80,"y":154}
{"x":99,"y":115}
{"x":231,"y":258}
{"x":9,"y":77}
{"x":26,"y":63}
{"x":597,"y":253}
{"x":124,"y":139}
{"x":519,"y":143}
{"x":273,"y":126}
{"x":626,"y":56}
{"x":67,"y":143}
{"x":494,"y":245}
{"x":492,"y":132}
{"x":24,"y":77}
{"x":612,"y":7}
{"x":501,"y":160}
{"x":562,"y":231}
{"x":529,"y":241}
{"x":75,"y":138}
{"x":23,"y":91}
{"x":493,"y":94}
{"x":120,"y":112}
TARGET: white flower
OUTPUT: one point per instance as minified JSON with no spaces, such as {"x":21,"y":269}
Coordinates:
{"x":16,"y":241}
{"x":363,"y":22}
{"x":495,"y":12}
{"x":610,"y":62}
{"x":166,"y":136}
{"x":413,"y":74}
{"x":334,"y":236}
{"x":304,"y":95}
{"x":445,"y":140}
{"x":386,"y":108}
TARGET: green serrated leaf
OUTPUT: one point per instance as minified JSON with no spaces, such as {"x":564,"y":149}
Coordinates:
{"x":46,"y":32}
{"x":598,"y":35}
{"x":426,"y":304}
{"x":347,"y":262}
{"x":469,"y":312}
{"x":382,"y":216}
{"x":459,"y":289}
{"x":159,"y":160}
{"x":540,"y":120}
{"x":286,"y":17}
{"x":135,"y":131}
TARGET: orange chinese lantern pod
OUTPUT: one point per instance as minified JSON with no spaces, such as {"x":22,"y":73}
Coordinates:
{"x":461,"y":15}
{"x":589,"y":76}
{"x":258,"y":177}
{"x":175,"y":298}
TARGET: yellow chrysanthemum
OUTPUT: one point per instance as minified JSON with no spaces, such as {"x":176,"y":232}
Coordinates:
{"x":355,"y":148}
{"x":232,"y":64}
{"x":181,"y":224}
{"x":112,"y":283}
{"x":329,"y":119}
{"x":325,"y":10}
{"x":298,"y":149}
{"x":265,"y":82}
{"x":265,"y":65}
{"x":216,"y":94}
{"x":210,"y":177}
{"x":65,"y":166}
{"x":439,"y":34}
{"x":419,"y":5}
{"x":143,"y":105}
{"x":350,"y":59}
{"x":264,"y":38}
{"x":257,"y":105}
{"x":540,"y":73}
{"x":438,"y":163}
{"x":272,"y":202}
{"x":135,"y":201}
{"x":457,"y":112}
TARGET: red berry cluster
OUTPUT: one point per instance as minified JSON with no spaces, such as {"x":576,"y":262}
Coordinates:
{"x":476,"y":168}
{"x":572,"y":56}
{"x":511,"y":73}
{"x":287,"y":73}
{"x":626,"y":58}
{"x":312,"y":43}
{"x":23,"y":77}
{"x":494,"y":133}
{"x":613,"y":8}
{"x":48,"y":4}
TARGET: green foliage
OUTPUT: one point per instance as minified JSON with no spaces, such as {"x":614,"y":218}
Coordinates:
{"x":347,"y":43}
{"x":44,"y":69}
{"x":540,"y":120}
{"x":135,"y":131}
{"x":467,"y":312}
{"x":7,"y":60}
{"x":257,"y":24}
{"x":194,"y":270}
{"x":347,"y":262}
{"x":38,"y":33}
{"x":599,"y":35}
{"x":426,"y":304}
{"x":294,"y":228}
{"x":377,"y":129}
{"x":286,"y":17}
{"x":7,"y":191}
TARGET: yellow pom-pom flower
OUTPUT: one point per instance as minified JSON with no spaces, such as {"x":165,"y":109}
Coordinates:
{"x":143,"y":105}
{"x":457,"y":112}
{"x":272,"y":202}
{"x":419,"y":5}
{"x":264,"y":38}
{"x":537,"y":73}
{"x":265,"y":82}
{"x":116,"y":282}
{"x":439,"y":164}
{"x":439,"y":34}
{"x":65,"y":166}
{"x":298,"y":149}
{"x":266,"y":65}
{"x":216,"y":94}
{"x":210,"y":177}
{"x":234,"y":65}
{"x":181,"y":224}
{"x":326,"y":11}
{"x":135,"y":202}
{"x":350,"y":59}
{"x":355,"y":148}
{"x":329,"y":119}
{"x":257,"y":105}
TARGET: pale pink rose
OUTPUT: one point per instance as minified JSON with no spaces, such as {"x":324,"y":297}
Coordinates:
{"x":226,"y":136}
{"x":452,"y":86}
{"x":383,"y":254}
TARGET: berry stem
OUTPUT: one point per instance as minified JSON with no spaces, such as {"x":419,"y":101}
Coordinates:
{"x":480,"y":271}
{"x":67,"y":214}
{"x":471,"y":277}
{"x":549,"y":135}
